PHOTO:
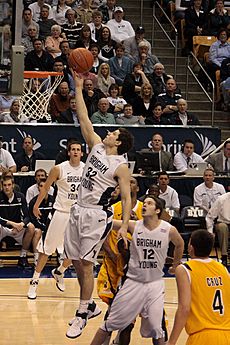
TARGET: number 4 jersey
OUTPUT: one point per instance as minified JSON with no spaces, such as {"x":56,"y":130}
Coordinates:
{"x":98,"y":177}
{"x":210,"y":291}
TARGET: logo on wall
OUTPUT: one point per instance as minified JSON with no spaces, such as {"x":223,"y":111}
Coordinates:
{"x":207,"y":145}
{"x":36,"y":143}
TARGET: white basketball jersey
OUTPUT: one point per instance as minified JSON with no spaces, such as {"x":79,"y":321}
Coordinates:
{"x":67,"y":184}
{"x":98,"y":181}
{"x":148,"y":251}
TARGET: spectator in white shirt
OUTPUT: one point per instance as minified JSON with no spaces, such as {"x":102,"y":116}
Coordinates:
{"x":186,"y":156}
{"x":206,"y":193}
{"x":6,"y":160}
{"x":220,"y":210}
{"x":32,"y":191}
{"x":120,"y":29}
{"x":36,"y":10}
{"x":167,"y":193}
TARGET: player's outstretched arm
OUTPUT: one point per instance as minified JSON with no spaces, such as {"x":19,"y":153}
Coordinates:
{"x":123,"y":175}
{"x":118,"y":223}
{"x":178,"y":242}
{"x":184,"y":301}
{"x":87,"y":130}
{"x":52,"y":177}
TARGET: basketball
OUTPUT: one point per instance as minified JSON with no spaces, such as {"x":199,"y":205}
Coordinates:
{"x":80,"y":60}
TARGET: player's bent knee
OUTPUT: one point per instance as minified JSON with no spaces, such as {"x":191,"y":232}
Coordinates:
{"x":30,"y":228}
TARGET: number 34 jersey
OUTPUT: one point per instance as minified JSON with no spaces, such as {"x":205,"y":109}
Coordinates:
{"x":210,"y":296}
{"x":98,"y":177}
{"x":67,"y":184}
{"x":148,"y":251}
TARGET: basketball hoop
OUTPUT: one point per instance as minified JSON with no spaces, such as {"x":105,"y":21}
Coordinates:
{"x":37,"y":92}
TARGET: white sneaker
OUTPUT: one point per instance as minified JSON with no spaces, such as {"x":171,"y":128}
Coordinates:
{"x":77,"y":326}
{"x":93,"y":311}
{"x":32,"y":289}
{"x":59,"y":277}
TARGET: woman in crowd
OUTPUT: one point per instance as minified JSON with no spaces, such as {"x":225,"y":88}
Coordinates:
{"x":85,"y":40}
{"x":95,"y":50}
{"x":13,"y":115}
{"x":116,"y":103}
{"x":145,"y":102}
{"x":104,"y":80}
{"x":107,"y":45}
{"x":59,"y":12}
{"x":52,"y":43}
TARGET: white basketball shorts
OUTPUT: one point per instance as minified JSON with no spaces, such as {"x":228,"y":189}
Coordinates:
{"x":54,"y":238}
{"x":86,"y":232}
{"x":134,"y":298}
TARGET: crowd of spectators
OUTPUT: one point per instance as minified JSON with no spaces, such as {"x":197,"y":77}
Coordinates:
{"x":122,"y":56}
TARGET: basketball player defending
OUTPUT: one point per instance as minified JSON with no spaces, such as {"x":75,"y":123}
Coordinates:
{"x":203,"y":296}
{"x":67,"y":177}
{"x":91,"y":217}
{"x":144,"y":285}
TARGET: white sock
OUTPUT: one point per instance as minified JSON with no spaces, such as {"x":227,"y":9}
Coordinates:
{"x":83,"y":306}
{"x":36,"y":275}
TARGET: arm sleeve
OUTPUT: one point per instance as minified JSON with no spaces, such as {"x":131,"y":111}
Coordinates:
{"x":179,"y":164}
{"x":197,"y":199}
{"x":212,"y":215}
{"x":175,"y":200}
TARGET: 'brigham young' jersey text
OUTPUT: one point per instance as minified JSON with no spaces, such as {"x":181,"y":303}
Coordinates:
{"x":98,"y":177}
{"x":67,"y":184}
{"x":148,"y":251}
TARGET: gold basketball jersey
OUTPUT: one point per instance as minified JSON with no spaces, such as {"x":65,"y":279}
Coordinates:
{"x":210,"y":297}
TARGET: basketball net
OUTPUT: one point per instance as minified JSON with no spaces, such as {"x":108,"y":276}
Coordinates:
{"x":36,"y":94}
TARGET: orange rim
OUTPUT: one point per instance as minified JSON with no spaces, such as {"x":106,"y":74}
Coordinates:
{"x":40,"y":74}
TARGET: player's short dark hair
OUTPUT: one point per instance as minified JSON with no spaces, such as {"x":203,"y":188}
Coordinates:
{"x":126,"y":139}
{"x":202,"y":242}
{"x":158,"y":203}
{"x":72,"y":143}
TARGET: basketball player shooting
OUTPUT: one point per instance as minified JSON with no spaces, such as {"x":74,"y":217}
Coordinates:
{"x":91,"y":217}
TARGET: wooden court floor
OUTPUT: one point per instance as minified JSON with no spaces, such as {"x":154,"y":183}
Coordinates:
{"x":44,"y":321}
